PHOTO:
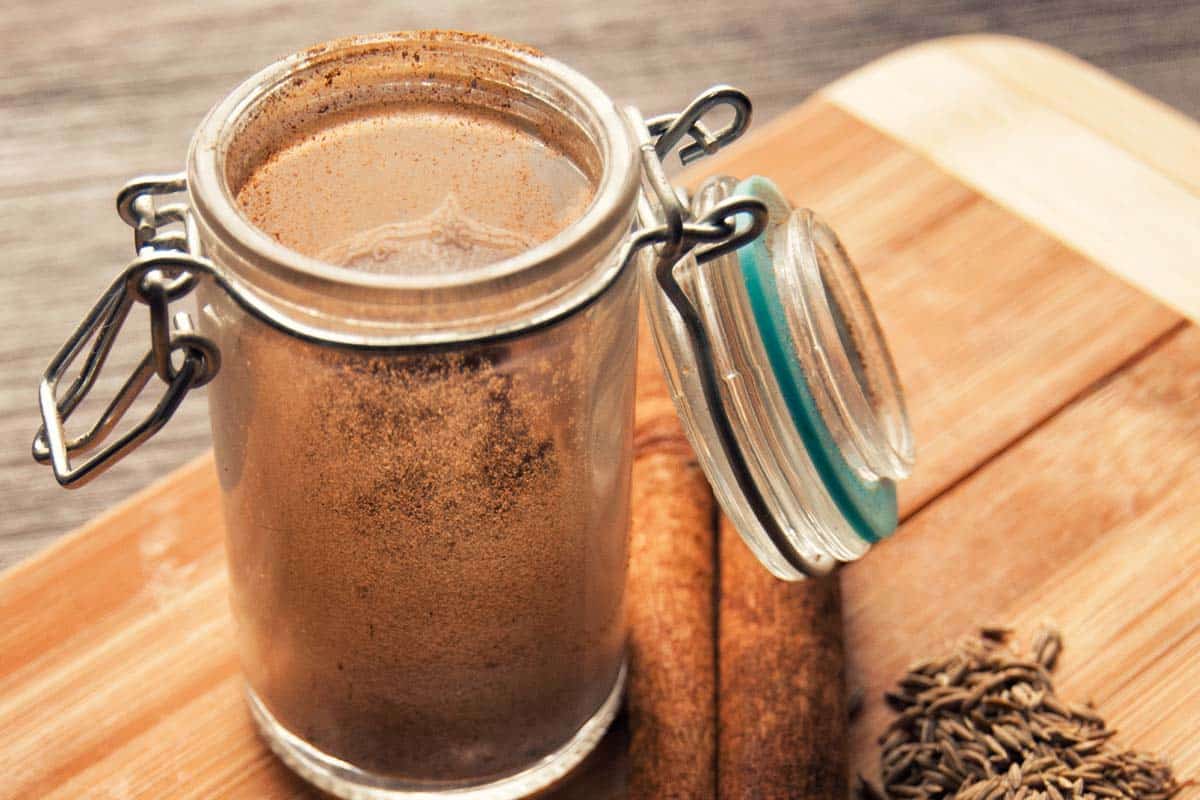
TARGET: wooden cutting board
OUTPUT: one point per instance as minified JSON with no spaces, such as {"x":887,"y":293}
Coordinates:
{"x":1029,"y":230}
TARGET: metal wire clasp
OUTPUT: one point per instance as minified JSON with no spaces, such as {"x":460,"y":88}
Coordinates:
{"x":736,"y":221}
{"x":165,"y":269}
{"x":664,"y":219}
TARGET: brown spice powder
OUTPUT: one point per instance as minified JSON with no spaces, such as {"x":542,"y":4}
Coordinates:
{"x":427,"y":555}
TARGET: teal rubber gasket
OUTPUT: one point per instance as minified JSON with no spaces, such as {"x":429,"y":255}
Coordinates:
{"x":869,"y":506}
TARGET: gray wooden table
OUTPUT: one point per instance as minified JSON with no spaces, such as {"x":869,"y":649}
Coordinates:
{"x":94,"y":93}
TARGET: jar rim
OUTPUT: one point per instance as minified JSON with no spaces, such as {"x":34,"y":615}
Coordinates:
{"x":608,"y":214}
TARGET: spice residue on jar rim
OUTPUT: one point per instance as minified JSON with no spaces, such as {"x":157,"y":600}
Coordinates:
{"x":380,"y":144}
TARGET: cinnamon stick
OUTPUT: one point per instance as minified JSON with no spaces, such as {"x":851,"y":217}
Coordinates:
{"x":672,"y":678}
{"x":782,"y":693}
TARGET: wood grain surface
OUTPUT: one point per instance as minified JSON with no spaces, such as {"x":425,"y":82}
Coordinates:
{"x":1089,"y":523}
{"x":94,"y":93}
{"x":1007,"y":138}
{"x":1057,"y":412}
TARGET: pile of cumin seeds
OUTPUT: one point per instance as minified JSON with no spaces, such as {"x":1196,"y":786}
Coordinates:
{"x":984,"y":723}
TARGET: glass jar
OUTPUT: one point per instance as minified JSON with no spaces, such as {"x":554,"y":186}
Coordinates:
{"x":417,"y":258}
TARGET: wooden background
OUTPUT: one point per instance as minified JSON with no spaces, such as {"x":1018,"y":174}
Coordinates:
{"x":94,"y":93}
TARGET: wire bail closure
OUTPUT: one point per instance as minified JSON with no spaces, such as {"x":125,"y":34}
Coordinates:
{"x":164,"y":270}
{"x":662,"y":209}
{"x":170,"y":262}
{"x":731,"y":224}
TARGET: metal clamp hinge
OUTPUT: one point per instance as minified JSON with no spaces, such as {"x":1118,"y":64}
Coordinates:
{"x":165,"y":269}
{"x":664,"y":219}
{"x":666,"y":224}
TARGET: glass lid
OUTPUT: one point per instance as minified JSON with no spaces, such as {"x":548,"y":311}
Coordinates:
{"x":785,"y":387}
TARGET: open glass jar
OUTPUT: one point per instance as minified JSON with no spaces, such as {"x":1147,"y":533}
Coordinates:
{"x":418,"y":258}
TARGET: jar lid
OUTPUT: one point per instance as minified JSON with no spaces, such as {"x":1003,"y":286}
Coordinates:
{"x":801,"y":428}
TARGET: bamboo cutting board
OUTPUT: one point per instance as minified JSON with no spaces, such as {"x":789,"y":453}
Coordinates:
{"x":1029,"y":230}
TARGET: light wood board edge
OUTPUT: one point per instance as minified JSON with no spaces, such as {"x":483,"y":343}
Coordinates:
{"x":1073,"y":151}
